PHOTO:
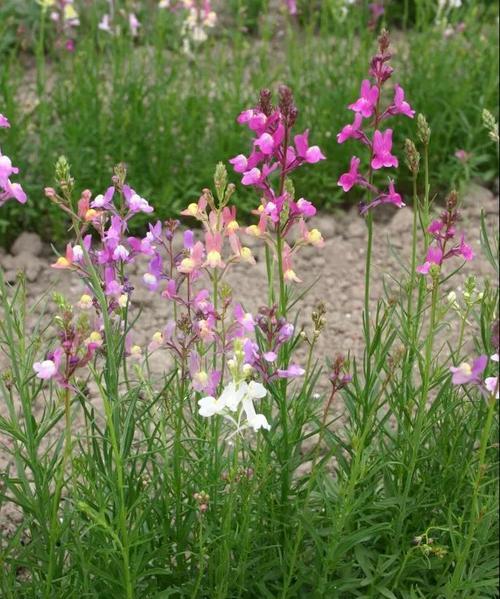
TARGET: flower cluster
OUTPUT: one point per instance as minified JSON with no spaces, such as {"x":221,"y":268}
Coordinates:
{"x":206,"y":326}
{"x":78,"y":343}
{"x":112,"y":22}
{"x":65,"y":18}
{"x":368,"y":107}
{"x":443,"y":232}
{"x":199,"y":18}
{"x":9,"y":190}
{"x":236,"y":402}
{"x":275,"y":151}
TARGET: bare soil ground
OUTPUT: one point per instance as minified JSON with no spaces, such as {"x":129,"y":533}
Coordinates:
{"x":338,"y":270}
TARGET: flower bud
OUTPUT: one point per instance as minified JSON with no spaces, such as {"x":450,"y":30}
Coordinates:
{"x":423,"y":130}
{"x":412,"y":157}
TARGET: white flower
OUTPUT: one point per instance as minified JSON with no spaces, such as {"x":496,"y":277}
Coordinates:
{"x":255,"y":391}
{"x":233,"y":394}
{"x":232,"y":397}
{"x":209,"y":406}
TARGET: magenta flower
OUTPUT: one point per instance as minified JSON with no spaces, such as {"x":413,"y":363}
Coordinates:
{"x":400,"y":105}
{"x":352,"y":131}
{"x":434,"y":256}
{"x":12,"y":191}
{"x":382,"y":146}
{"x":367,"y":101}
{"x":4,"y":122}
{"x":310,"y":154}
{"x":6,"y":169}
{"x":464,"y":373}
{"x":292,"y":6}
{"x":255,"y":119}
{"x":349,"y":179}
{"x":305,"y":208}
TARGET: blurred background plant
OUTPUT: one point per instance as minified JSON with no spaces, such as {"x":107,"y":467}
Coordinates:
{"x":155,"y":84}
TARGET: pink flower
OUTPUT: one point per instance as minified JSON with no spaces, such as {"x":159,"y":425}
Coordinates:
{"x":292,"y":6}
{"x":240,"y":163}
{"x":465,"y":373}
{"x":305,"y":208}
{"x":47,"y":369}
{"x":12,"y":191}
{"x":400,"y":105}
{"x":382,"y":146}
{"x":266,"y":143}
{"x":213,"y":243}
{"x":491,"y":384}
{"x":134,"y":201}
{"x":465,"y":250}
{"x":392,"y":197}
{"x":292,"y":371}
{"x":4,"y":122}
{"x":6,"y":169}
{"x":251,"y":177}
{"x":104,"y":201}
{"x":349,"y":179}
{"x":463,"y":156}
{"x":310,"y":154}
{"x":434,"y":256}
{"x":244,"y":319}
{"x":134,"y":24}
{"x":255,"y":119}
{"x":351,"y":131}
{"x":367,"y":101}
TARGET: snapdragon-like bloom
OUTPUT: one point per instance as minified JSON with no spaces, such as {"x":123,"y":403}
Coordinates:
{"x":310,"y":154}
{"x":351,"y":131}
{"x":237,"y":397}
{"x":400,"y":105}
{"x":349,"y":179}
{"x":48,"y":369}
{"x":443,"y":231}
{"x":465,"y":373}
{"x":382,"y":146}
{"x":367,"y":101}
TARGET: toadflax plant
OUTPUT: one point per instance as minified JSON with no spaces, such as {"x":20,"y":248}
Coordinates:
{"x":206,"y":460}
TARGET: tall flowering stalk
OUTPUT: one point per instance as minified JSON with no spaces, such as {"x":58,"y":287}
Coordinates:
{"x":277,"y":153}
{"x":369,"y":117}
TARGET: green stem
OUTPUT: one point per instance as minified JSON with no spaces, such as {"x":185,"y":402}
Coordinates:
{"x":54,"y":525}
{"x":419,"y":419}
{"x":475,"y":509}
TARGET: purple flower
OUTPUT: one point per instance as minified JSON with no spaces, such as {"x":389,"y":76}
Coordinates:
{"x":352,"y":131}
{"x":48,"y":369}
{"x":382,"y":146}
{"x":465,"y":373}
{"x":4,"y":122}
{"x":349,"y":179}
{"x":305,"y":207}
{"x":400,"y":105}
{"x":434,"y":256}
{"x":292,"y":371}
{"x":367,"y":101}
{"x":310,"y":154}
